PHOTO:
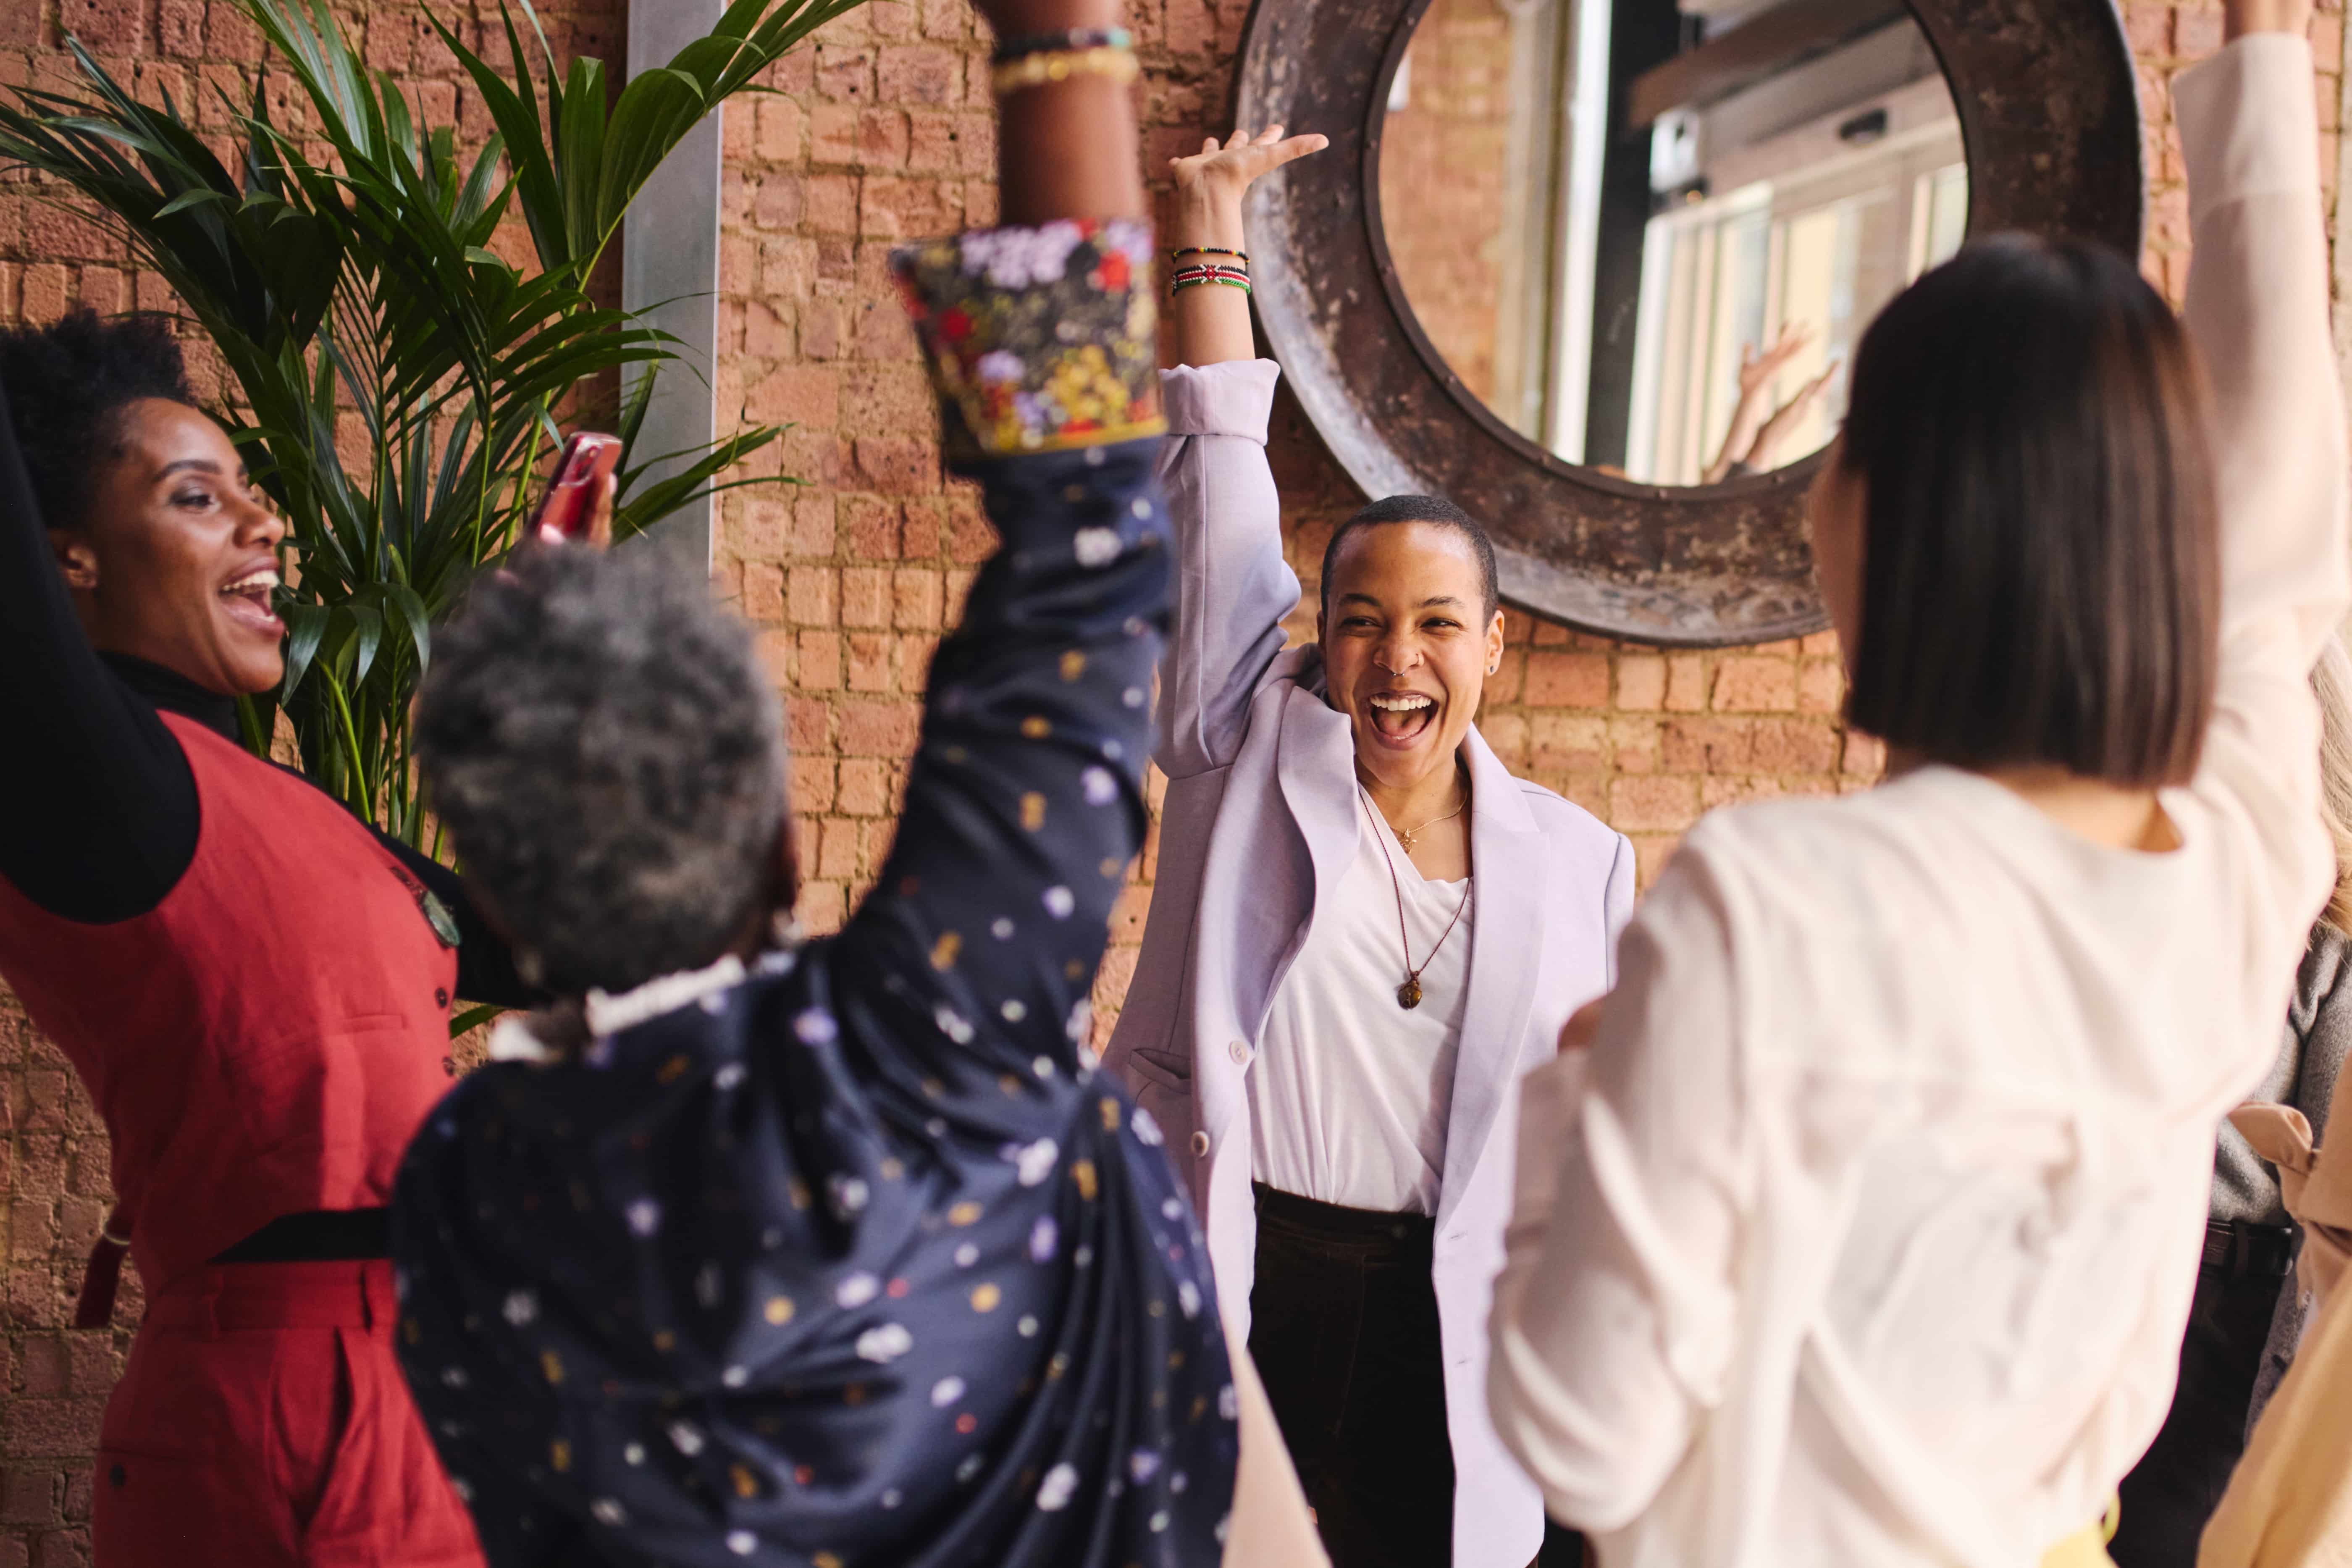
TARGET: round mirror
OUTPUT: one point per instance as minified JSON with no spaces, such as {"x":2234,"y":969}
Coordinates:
{"x":1525,"y":273}
{"x":1647,"y":238}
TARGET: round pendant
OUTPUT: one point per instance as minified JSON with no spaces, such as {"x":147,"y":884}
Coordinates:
{"x":1408,"y":994}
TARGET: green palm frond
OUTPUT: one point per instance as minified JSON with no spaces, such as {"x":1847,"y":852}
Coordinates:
{"x":368,"y":288}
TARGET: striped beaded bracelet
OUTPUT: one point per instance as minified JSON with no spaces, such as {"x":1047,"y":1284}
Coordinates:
{"x":1182,"y":251}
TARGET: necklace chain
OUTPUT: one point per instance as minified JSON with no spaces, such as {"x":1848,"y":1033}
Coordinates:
{"x":1406,"y":835}
{"x":1408,"y":995}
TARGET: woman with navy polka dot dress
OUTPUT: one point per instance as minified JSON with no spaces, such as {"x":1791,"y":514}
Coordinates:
{"x":838,"y":1253}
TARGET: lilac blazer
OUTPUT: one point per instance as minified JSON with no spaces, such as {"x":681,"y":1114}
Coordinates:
{"x":1259,"y":820}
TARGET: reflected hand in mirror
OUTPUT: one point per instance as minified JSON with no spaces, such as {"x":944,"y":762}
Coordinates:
{"x":1609,"y":217}
{"x":1750,"y":445}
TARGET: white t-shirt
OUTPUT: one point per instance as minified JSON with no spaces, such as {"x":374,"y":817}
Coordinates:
{"x":1350,"y":1093}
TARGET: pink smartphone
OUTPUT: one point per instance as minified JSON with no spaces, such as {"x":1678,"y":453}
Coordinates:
{"x":588,"y":460}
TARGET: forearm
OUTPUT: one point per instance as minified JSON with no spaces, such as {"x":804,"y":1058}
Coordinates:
{"x":2257,"y":308}
{"x":1066,"y":150}
{"x":1212,"y":319}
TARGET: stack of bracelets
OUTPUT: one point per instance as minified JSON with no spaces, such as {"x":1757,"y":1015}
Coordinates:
{"x":1205,"y":267}
{"x":1039,"y":58}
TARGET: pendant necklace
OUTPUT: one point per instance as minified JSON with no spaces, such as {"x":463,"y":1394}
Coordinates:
{"x":1408,"y":995}
{"x":1408,"y":836}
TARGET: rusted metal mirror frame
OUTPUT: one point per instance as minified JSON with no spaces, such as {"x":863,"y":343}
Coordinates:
{"x":2047,"y":97}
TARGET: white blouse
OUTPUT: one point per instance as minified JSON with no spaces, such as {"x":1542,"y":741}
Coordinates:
{"x":1867,"y":1231}
{"x":1350,"y":1096}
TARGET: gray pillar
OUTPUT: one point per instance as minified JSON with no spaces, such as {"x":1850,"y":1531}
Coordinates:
{"x":669,"y":262}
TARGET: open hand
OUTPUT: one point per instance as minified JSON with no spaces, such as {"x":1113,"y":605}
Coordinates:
{"x":1232,"y":165}
{"x":1755,"y":369}
{"x":1211,"y":182}
{"x":1765,"y":448}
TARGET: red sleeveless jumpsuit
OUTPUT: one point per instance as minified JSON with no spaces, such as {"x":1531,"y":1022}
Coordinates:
{"x":261,"y":1043}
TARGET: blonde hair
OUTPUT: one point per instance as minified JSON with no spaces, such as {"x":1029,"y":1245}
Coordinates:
{"x":2331,"y":681}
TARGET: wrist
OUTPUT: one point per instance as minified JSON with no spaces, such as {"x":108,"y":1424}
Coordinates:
{"x":1206,"y":215}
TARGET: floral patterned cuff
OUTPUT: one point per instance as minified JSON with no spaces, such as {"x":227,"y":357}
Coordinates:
{"x":1038,"y":340}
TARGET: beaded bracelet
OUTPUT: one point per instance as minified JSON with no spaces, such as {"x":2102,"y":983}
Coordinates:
{"x":1196,"y":278}
{"x":1039,"y":71}
{"x":1184,"y":251}
{"x":1069,"y":41}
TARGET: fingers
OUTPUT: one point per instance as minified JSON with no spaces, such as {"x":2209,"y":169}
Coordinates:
{"x":600,"y":513}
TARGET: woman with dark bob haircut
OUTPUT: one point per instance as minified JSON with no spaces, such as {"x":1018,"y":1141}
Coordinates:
{"x":1859,"y":1224}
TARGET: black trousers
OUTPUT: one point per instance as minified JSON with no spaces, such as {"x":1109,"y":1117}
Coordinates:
{"x":2178,"y":1482}
{"x":1343,"y":1327}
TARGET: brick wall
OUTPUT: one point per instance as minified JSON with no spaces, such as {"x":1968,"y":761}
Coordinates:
{"x":1443,"y":156}
{"x":880,"y":131}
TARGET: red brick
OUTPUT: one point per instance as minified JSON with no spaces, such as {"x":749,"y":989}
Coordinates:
{"x":104,"y":26}
{"x":921,"y":74}
{"x":845,"y":71}
{"x":869,"y":527}
{"x":1568,"y":681}
{"x":1748,"y":683}
{"x":44,"y":1426}
{"x":1655,"y":804}
{"x":33,"y":1495}
{"x":897,"y":465}
{"x":878,"y":728}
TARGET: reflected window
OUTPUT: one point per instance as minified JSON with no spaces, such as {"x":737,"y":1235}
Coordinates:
{"x":1600,"y":212}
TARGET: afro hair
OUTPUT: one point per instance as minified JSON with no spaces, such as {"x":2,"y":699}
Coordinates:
{"x":67,"y":385}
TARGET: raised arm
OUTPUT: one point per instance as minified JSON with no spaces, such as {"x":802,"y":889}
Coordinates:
{"x":1233,"y":585}
{"x":1024,"y":802}
{"x":105,"y":823}
{"x":2257,"y":310}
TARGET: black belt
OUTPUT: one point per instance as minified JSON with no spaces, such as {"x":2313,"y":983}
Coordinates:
{"x":317,"y":1236}
{"x":2241,"y":1250}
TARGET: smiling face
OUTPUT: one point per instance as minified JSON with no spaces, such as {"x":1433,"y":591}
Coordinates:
{"x":178,"y":560}
{"x":1408,"y":643}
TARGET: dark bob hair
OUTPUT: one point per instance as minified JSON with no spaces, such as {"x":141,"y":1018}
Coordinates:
{"x":2041,"y":563}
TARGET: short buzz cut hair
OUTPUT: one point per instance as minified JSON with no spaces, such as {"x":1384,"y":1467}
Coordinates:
{"x":1438,"y":512}
{"x":2041,"y":561}
{"x":602,"y":742}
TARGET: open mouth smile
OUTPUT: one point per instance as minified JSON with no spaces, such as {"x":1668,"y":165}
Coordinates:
{"x":248,"y":599}
{"x":1399,"y":717}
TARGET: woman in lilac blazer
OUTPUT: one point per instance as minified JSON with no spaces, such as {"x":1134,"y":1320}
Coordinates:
{"x":1274,"y":784}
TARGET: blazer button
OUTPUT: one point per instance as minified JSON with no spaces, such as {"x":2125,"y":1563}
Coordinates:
{"x":440,"y":996}
{"x":1239,"y":1052}
{"x":1200,"y":1143}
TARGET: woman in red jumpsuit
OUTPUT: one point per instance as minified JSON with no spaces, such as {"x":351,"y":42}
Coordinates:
{"x":254,"y":986}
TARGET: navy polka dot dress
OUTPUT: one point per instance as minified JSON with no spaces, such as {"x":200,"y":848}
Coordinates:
{"x":853,"y":1258}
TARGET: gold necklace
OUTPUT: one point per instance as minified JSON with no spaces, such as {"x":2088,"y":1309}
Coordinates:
{"x":1408,"y":995}
{"x":1407,"y":836}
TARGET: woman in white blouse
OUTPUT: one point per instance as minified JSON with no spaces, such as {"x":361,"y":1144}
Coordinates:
{"x":1864,"y":1230}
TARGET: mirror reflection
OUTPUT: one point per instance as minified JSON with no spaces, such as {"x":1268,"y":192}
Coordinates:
{"x":1647,"y":235}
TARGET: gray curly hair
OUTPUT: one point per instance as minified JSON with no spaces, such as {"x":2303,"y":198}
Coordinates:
{"x":602,"y":742}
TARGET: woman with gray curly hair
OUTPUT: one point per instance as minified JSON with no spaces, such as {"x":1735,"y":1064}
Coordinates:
{"x":842,"y":1252}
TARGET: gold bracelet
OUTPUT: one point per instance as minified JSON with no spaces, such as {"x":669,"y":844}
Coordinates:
{"x":1038,"y":70}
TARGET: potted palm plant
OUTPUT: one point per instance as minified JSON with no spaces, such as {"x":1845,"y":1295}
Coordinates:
{"x":365,"y":285}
